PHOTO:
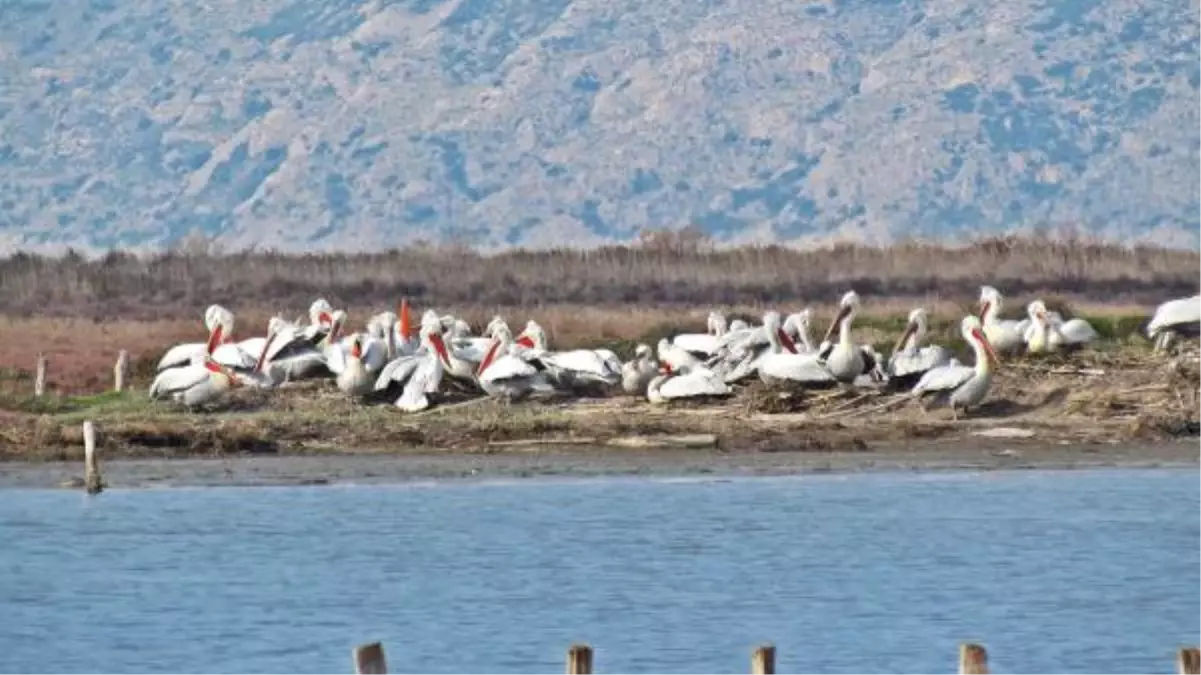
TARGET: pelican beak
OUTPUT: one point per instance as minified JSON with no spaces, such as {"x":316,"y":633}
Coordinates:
{"x":258,"y":365}
{"x":842,"y":312}
{"x":665,"y":368}
{"x":992,"y":355}
{"x":356,"y":349}
{"x":324,"y":319}
{"x":909,"y":329}
{"x":984,"y":305}
{"x":786,"y":340}
{"x":525,"y":340}
{"x":489,"y":357}
{"x":214,"y":338}
{"x":406,"y":320}
{"x":440,"y":347}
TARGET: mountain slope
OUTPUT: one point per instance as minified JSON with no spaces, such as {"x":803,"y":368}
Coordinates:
{"x":344,"y":124}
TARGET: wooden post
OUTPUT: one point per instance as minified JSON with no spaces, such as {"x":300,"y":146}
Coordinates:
{"x":973,"y":659}
{"x":39,"y":378}
{"x":763,"y":660}
{"x":369,"y":658}
{"x":1188,"y":661}
{"x":120,"y":370}
{"x":579,"y":660}
{"x":92,"y":483}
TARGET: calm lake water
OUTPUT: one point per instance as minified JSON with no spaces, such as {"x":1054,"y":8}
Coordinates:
{"x":1074,"y":571}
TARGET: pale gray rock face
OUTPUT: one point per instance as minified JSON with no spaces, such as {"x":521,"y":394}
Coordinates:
{"x":350,"y":125}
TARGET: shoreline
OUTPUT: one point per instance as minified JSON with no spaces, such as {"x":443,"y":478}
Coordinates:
{"x":443,"y":467}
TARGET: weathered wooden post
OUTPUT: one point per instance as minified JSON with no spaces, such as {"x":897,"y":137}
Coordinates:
{"x":579,"y":660}
{"x":120,"y":371}
{"x":973,"y":659}
{"x":369,"y":658}
{"x":1188,"y":661}
{"x":92,"y":483}
{"x":763,"y":660}
{"x":39,"y":377}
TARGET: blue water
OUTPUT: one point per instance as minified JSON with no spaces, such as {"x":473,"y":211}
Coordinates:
{"x":1053,"y":571}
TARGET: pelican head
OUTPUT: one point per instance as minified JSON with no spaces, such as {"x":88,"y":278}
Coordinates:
{"x":321,"y":312}
{"x":990,"y":302}
{"x":490,"y":330}
{"x":337,"y":320}
{"x":431,"y":337}
{"x":220,"y":322}
{"x":356,"y":346}
{"x":717,"y":323}
{"x":776,"y":335}
{"x":642,"y":351}
{"x":848,"y":306}
{"x":972,"y":330}
{"x":915,"y":326}
{"x":1037,"y":311}
{"x":532,"y":335}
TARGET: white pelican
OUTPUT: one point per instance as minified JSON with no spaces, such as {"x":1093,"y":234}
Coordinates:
{"x":910,"y":360}
{"x":676,"y":357}
{"x":355,"y":363}
{"x":576,"y":366}
{"x":1048,"y":332}
{"x":687,"y":382}
{"x":778,"y":364}
{"x":703,"y":345}
{"x":959,"y":385}
{"x":418,"y":374}
{"x":741,"y":359}
{"x":194,"y":384}
{"x":1005,"y":335}
{"x":797,"y":325}
{"x":845,"y":359}
{"x":220,"y":323}
{"x":1175,"y":318}
{"x":637,"y":373}
{"x":504,"y":374}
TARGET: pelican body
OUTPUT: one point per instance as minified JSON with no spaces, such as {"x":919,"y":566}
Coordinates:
{"x":688,"y":383}
{"x":910,"y":360}
{"x":1175,"y":318}
{"x":960,"y":386}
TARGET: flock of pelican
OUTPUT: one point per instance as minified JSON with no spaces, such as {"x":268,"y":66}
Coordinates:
{"x":391,"y":359}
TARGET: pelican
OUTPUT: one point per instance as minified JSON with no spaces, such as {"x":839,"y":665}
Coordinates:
{"x":504,"y":374}
{"x":910,"y":360}
{"x":220,"y":323}
{"x":686,"y":382}
{"x":702,"y":345}
{"x":193,"y":384}
{"x":583,"y":366}
{"x":675,"y":356}
{"x":637,"y":373}
{"x":741,"y":359}
{"x":959,"y":385}
{"x":1005,"y":335}
{"x":355,"y":363}
{"x":1048,"y":332}
{"x":1175,"y":318}
{"x":797,"y":326}
{"x":418,"y":374}
{"x":780,"y":365}
{"x":845,"y":359}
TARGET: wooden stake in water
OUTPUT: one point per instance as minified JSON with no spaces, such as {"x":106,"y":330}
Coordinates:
{"x":579,"y":660}
{"x":120,"y":370}
{"x":1188,"y":661}
{"x":92,"y":483}
{"x":369,"y":658}
{"x":763,"y":660}
{"x":39,"y":377}
{"x":973,"y":659}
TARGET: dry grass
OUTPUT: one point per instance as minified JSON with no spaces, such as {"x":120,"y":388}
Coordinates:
{"x":663,"y":272}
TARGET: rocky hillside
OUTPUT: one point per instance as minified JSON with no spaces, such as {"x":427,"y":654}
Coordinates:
{"x":359,"y":124}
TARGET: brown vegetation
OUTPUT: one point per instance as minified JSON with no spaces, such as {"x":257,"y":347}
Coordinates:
{"x":663,"y":270}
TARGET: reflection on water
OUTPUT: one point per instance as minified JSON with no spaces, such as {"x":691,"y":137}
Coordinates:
{"x":1054,"y":572}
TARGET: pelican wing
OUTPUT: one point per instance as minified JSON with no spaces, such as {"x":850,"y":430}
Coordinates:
{"x":399,"y":370}
{"x":507,"y":367}
{"x":178,"y":379}
{"x":425,"y":380}
{"x":694,"y":383}
{"x":470,"y":349}
{"x":335,"y":358}
{"x":1180,"y":312}
{"x":795,"y":367}
{"x":1077,"y":331}
{"x":375,"y":354}
{"x":181,"y":355}
{"x":231,"y":356}
{"x":943,"y":378}
{"x":697,"y":343}
{"x":910,"y":361}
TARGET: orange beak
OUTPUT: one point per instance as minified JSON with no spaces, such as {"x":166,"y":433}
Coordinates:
{"x":440,"y":347}
{"x":489,"y":357}
{"x":909,"y":328}
{"x":406,"y":320}
{"x":984,"y":305}
{"x":992,"y":355}
{"x":665,"y":368}
{"x":786,"y":341}
{"x":356,"y":349}
{"x":324,"y":318}
{"x":258,"y":365}
{"x":842,"y":312}
{"x":525,"y":341}
{"x":214,"y":339}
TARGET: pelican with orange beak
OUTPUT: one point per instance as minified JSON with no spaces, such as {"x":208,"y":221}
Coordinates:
{"x":960,"y":386}
{"x":910,"y":360}
{"x":417,"y":375}
{"x":845,"y":360}
{"x":356,"y":362}
{"x":196,"y":383}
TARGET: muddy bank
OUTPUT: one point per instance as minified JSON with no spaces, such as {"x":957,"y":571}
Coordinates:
{"x":987,"y":454}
